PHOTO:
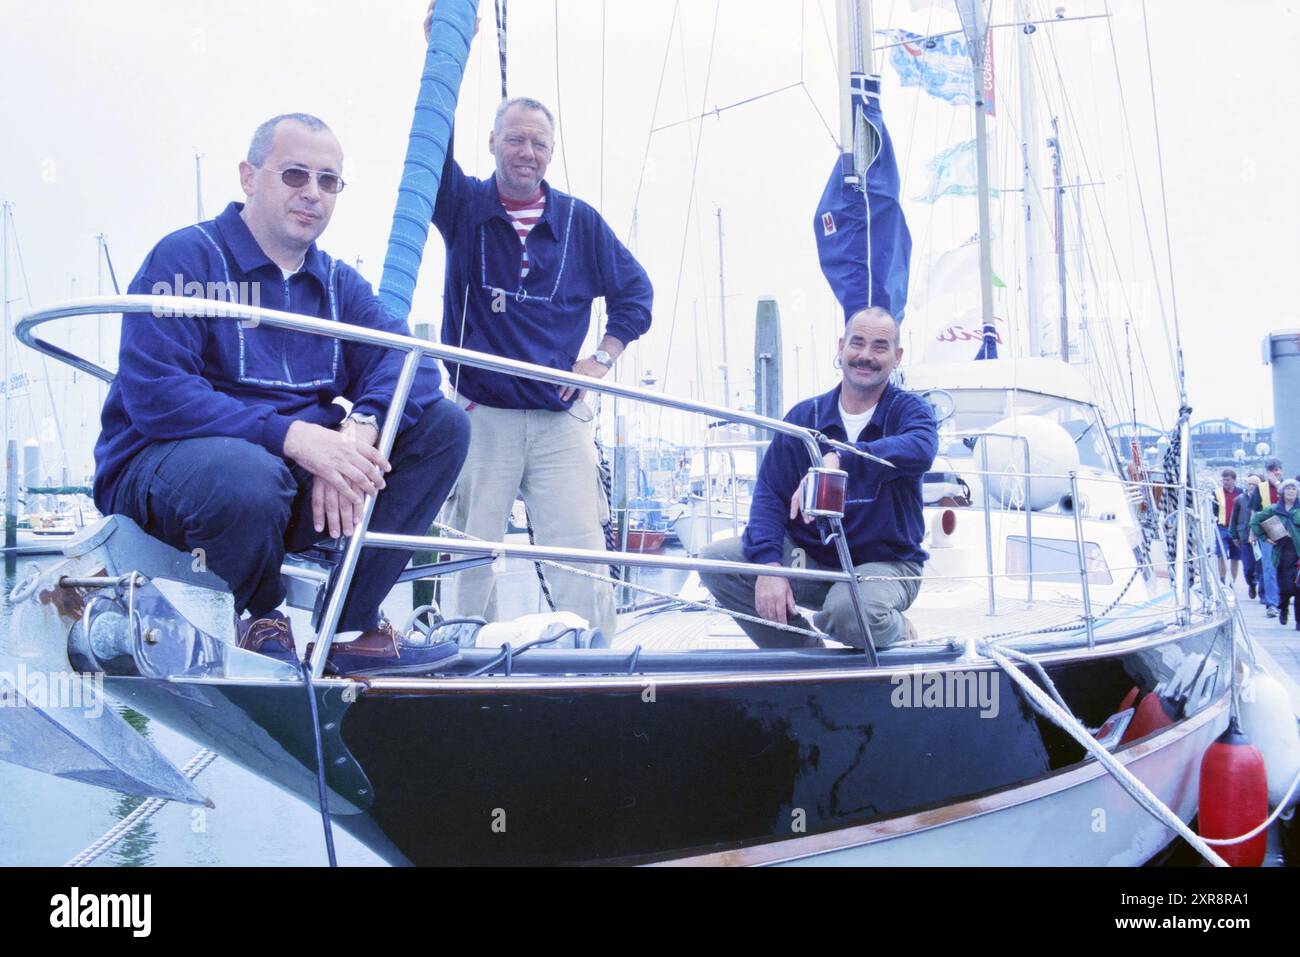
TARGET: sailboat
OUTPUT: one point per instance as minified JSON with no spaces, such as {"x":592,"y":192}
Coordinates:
{"x":1087,"y":682}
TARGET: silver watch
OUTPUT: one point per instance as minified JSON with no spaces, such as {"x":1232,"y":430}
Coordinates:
{"x":604,"y":358}
{"x":361,"y":418}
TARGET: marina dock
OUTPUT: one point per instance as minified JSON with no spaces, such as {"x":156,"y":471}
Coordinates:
{"x":1281,"y":644}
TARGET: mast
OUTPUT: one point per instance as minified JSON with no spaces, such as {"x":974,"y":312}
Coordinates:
{"x":974,"y":22}
{"x":1031,"y":202}
{"x":198,"y":184}
{"x":1079,"y":268}
{"x":11,"y":483}
{"x":1054,"y":144}
{"x":855,"y":57}
{"x":101,"y":250}
{"x":722,"y":311}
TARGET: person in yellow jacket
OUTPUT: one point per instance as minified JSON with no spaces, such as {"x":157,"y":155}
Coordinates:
{"x":1224,"y":498}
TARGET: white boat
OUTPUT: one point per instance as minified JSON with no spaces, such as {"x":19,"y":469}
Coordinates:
{"x":1053,"y":667}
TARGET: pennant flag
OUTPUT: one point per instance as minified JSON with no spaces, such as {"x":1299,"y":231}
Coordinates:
{"x":863,"y":241}
{"x":952,"y":173}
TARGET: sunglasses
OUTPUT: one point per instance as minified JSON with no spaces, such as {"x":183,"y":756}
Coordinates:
{"x":295,"y":177}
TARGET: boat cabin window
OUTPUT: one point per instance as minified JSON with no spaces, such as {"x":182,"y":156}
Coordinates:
{"x":1056,"y":560}
{"x":981,"y":409}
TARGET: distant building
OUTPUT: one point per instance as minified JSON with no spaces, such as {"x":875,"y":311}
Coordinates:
{"x":1213,"y":440}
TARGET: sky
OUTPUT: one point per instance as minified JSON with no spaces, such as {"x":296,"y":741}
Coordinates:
{"x":104,"y":106}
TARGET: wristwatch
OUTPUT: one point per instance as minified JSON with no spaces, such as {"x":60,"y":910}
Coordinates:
{"x":604,"y":358}
{"x":361,"y":418}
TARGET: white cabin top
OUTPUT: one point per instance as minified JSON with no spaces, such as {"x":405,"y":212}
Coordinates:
{"x":1042,"y":375}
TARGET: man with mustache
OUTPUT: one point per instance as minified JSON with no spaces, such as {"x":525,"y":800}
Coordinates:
{"x":883,"y":522}
{"x":224,"y":438}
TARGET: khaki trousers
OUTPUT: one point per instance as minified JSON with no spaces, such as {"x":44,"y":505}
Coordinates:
{"x":547,"y":459}
{"x":883,"y":602}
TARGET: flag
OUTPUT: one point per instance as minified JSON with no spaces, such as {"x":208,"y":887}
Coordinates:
{"x":863,"y":242}
{"x":941,"y":66}
{"x":953,"y":173}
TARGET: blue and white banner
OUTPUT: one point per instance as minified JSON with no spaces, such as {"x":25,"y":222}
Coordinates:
{"x":941,"y":66}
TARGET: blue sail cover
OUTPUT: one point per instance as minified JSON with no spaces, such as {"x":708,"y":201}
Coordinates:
{"x":864,"y":245}
{"x":435,"y":111}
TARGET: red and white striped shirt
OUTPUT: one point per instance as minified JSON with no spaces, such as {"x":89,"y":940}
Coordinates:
{"x":524,"y":216}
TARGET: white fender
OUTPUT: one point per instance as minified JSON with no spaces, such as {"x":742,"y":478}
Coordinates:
{"x":1267,"y":716}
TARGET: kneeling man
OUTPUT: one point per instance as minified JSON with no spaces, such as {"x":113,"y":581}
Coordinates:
{"x":883,"y":522}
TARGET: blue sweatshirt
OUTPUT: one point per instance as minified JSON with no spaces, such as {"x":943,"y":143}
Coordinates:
{"x":182,"y":377}
{"x":574,"y":257}
{"x":883,"y":519}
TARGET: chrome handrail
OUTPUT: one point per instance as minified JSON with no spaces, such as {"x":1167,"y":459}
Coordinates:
{"x":197,"y":308}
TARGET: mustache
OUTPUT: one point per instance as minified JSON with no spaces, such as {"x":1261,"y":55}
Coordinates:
{"x":864,"y":364}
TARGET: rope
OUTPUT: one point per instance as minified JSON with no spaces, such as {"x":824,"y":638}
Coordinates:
{"x":322,"y":791}
{"x":686,"y":224}
{"x":537,"y":566}
{"x":1051,"y":706}
{"x":605,"y":477}
{"x":147,"y":809}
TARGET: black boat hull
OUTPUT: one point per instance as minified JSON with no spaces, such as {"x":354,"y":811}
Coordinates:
{"x":564,"y":770}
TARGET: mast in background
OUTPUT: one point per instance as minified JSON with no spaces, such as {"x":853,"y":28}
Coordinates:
{"x":198,"y":184}
{"x":1080,"y":271}
{"x":10,"y":447}
{"x":722,"y":311}
{"x":974,"y":22}
{"x":1031,"y":201}
{"x":1054,"y":144}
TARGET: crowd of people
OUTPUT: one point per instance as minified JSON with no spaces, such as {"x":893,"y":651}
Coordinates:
{"x":1258,"y":537}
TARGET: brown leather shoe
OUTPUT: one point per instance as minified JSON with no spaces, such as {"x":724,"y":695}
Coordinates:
{"x":271,"y":636}
{"x":383,"y":650}
{"x":378,"y":642}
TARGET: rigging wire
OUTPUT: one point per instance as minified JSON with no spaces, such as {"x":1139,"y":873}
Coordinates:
{"x":672,"y":326}
{"x":699,"y":230}
{"x":717,"y":110}
{"x":559,"y":107}
{"x":45,"y":369}
{"x":1068,"y":113}
{"x":1164,"y":203}
{"x":645,"y":159}
{"x":1175,"y":357}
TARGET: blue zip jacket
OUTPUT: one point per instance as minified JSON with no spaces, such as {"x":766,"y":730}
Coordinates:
{"x":883,"y":519}
{"x":181,"y":378}
{"x":574,"y":257}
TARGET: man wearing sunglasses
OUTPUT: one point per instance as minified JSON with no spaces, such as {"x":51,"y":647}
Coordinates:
{"x":525,"y":262}
{"x":224,"y":438}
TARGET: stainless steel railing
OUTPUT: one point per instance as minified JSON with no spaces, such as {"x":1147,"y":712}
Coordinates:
{"x":414,"y":349}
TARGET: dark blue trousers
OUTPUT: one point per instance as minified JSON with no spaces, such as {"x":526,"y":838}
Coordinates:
{"x":246,"y":507}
